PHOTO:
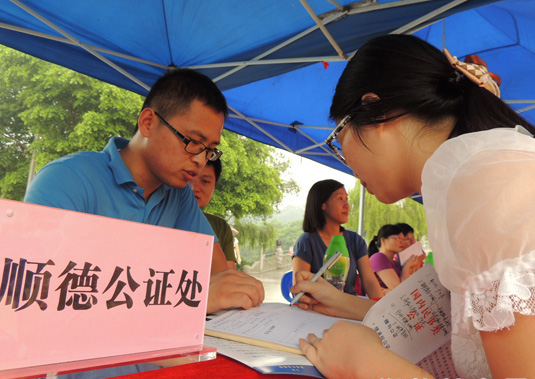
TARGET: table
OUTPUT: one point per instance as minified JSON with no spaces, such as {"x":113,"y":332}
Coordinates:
{"x":221,"y":367}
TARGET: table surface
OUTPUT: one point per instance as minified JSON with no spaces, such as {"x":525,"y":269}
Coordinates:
{"x":221,"y":367}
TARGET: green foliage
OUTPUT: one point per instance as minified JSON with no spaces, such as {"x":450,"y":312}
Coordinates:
{"x":254,"y":236}
{"x":261,"y":235}
{"x":288,"y":232}
{"x":56,"y":112}
{"x":377,"y":214}
{"x":15,"y":137}
{"x":250,"y":183}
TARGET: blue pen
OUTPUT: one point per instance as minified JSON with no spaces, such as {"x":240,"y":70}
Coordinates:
{"x":323,"y":268}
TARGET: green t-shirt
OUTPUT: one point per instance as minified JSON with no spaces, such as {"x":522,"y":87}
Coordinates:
{"x":224,"y":235}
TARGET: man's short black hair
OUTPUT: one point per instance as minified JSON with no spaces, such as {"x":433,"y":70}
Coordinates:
{"x":406,"y":228}
{"x":173,"y":93}
{"x":217,"y":168}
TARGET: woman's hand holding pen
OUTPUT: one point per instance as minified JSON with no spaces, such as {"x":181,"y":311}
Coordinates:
{"x":322,"y":297}
{"x":314,"y":291}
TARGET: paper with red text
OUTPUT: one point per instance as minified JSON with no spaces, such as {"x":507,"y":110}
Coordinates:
{"x":414,"y":320}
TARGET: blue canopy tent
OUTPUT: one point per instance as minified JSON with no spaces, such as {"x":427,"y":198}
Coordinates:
{"x":268,"y":56}
{"x":276,"y":61}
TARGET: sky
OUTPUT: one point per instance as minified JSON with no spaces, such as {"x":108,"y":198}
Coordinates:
{"x":307,"y":172}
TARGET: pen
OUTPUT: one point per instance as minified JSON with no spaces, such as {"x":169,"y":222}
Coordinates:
{"x":332,"y":260}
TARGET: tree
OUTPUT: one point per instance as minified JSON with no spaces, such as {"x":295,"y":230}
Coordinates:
{"x":56,"y":112}
{"x":250,"y":183}
{"x":377,"y":214}
{"x":288,"y":232}
{"x":15,"y":137}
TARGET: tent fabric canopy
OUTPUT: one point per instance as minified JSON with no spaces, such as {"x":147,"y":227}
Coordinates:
{"x":276,"y":61}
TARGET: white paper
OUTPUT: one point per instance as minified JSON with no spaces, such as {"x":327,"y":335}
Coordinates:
{"x":413,"y":320}
{"x":273,"y":322}
{"x":264,"y":360}
{"x":414,"y":249}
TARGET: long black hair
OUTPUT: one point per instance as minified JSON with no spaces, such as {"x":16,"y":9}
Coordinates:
{"x":411,"y":76}
{"x":318,"y":194}
{"x":384,"y":232}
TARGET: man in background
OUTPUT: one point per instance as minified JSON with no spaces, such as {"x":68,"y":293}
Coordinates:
{"x":203,"y":187}
{"x":408,"y":232}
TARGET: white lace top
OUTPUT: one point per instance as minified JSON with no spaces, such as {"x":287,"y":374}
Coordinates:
{"x":479,"y":198}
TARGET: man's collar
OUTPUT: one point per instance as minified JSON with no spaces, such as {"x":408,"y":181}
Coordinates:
{"x":119,"y":169}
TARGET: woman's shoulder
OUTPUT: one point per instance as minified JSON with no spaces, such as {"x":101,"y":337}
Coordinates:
{"x":378,"y":257}
{"x":306,"y":236}
{"x":456,"y":152}
{"x":353,"y":236}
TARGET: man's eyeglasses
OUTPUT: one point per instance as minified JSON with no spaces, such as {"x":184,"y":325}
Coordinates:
{"x":330,"y":141}
{"x":192,"y":146}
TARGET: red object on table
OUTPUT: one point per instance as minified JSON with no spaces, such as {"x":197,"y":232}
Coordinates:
{"x":221,"y":367}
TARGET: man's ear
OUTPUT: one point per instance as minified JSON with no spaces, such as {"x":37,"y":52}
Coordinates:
{"x":146,"y":122}
{"x":369,"y":98}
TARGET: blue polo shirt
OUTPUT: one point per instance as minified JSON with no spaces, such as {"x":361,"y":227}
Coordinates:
{"x":100,"y":183}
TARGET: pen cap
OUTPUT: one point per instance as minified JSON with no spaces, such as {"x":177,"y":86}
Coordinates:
{"x":338,"y":243}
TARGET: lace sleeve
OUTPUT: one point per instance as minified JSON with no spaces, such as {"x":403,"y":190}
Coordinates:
{"x":490,"y":222}
{"x":492,"y":306}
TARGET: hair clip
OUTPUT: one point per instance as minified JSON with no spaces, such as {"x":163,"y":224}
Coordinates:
{"x":476,"y":72}
{"x":455,"y":77}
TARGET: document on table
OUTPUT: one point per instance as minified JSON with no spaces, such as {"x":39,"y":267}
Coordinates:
{"x":413,"y":321}
{"x":271,"y":325}
{"x":261,"y":359}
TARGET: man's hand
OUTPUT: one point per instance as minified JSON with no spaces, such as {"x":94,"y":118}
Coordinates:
{"x":232,"y":288}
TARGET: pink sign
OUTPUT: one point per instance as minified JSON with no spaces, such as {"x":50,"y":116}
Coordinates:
{"x":75,"y":286}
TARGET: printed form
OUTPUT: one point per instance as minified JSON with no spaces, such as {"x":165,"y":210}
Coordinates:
{"x":273,"y":322}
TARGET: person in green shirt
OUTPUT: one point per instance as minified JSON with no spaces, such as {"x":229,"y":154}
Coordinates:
{"x":203,"y":187}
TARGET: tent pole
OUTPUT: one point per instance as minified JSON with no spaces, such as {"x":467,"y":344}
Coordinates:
{"x":323,"y":29}
{"x":278,"y":47}
{"x":80,"y":44}
{"x":361,"y":209}
{"x":418,"y":21}
{"x":243,"y":117}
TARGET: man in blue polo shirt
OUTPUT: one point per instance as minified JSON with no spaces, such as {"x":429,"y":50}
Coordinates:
{"x":145,"y":179}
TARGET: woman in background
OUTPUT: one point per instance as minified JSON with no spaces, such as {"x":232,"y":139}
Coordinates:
{"x":327,"y":208}
{"x":383,"y":251}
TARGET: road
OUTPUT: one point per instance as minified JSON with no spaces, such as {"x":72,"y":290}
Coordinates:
{"x":271,"y":281}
